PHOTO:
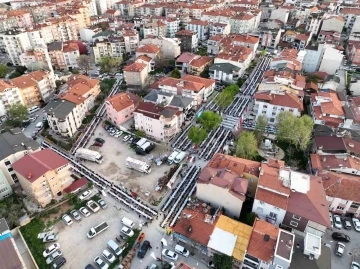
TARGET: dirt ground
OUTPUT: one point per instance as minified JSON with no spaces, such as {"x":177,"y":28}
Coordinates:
{"x":115,"y":152}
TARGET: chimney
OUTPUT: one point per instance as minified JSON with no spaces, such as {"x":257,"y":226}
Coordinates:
{"x":29,"y":175}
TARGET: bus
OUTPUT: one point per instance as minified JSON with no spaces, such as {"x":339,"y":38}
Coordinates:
{"x":33,"y":109}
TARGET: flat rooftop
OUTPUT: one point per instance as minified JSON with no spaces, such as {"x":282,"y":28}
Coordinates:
{"x":285,"y":245}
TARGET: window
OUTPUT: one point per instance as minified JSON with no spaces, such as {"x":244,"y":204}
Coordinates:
{"x":340,"y":208}
{"x":296,"y":217}
{"x":355,"y":205}
{"x":259,"y":209}
{"x":261,"y":202}
{"x":7,"y":162}
{"x":294,"y":223}
{"x":273,"y":215}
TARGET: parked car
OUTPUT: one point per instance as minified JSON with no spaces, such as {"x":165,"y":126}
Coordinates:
{"x":51,"y":249}
{"x":126,"y":138}
{"x":337,"y":221}
{"x":355,"y":265}
{"x":84,"y":211}
{"x":50,"y":238}
{"x":89,"y":266}
{"x":356,"y":224}
{"x":340,"y":237}
{"x":53,"y":256}
{"x":346,"y":224}
{"x":100,"y":140}
{"x":127,"y":231}
{"x":97,"y":144}
{"x":101,"y":263}
{"x":170,"y":254}
{"x":58,"y":263}
{"x":108,"y":256}
{"x":85,"y":195}
{"x":339,"y":249}
{"x":143,"y":249}
{"x":75,"y":214}
{"x":66,"y":218}
{"x":102,"y":204}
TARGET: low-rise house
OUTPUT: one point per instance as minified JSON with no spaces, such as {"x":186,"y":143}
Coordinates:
{"x":197,"y":66}
{"x":149,"y":50}
{"x":159,"y":97}
{"x":224,"y":72}
{"x":271,"y":103}
{"x":189,"y":40}
{"x":158,"y":122}
{"x":241,"y":57}
{"x":183,"y":62}
{"x":43,"y":175}
{"x":302,"y":40}
{"x":330,"y":37}
{"x":120,"y":107}
{"x":13,"y":146}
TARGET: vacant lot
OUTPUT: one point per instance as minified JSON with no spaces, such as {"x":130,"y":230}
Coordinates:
{"x":115,"y":152}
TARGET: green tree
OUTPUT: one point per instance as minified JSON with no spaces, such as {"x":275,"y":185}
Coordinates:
{"x":175,"y":73}
{"x":223,"y":261}
{"x":84,"y":63}
{"x":197,"y":135}
{"x":226,"y":97}
{"x":260,"y":127}
{"x":3,"y":70}
{"x":246,"y":146}
{"x":210,"y":120}
{"x":107,"y":63}
{"x":16,"y":115}
{"x":205,"y":73}
{"x":14,"y":75}
{"x":240,"y":82}
{"x":294,"y":130}
{"x":161,"y":61}
{"x":263,"y":52}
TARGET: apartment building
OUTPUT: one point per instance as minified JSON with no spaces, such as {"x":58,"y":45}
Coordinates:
{"x":169,"y":47}
{"x":224,"y":72}
{"x":112,"y":46}
{"x":350,"y":16}
{"x":240,"y":58}
{"x":9,"y":95}
{"x":23,"y":17}
{"x":45,"y":81}
{"x":13,"y":146}
{"x":151,"y":9}
{"x":218,"y":28}
{"x":36,"y":57}
{"x":281,"y":14}
{"x":57,"y":58}
{"x":28,"y":89}
{"x":157,"y":29}
{"x":268,"y":37}
{"x":14,"y":43}
{"x":71,"y":54}
{"x":197,"y":66}
{"x":43,"y":175}
{"x":334,"y":23}
{"x":189,"y":40}
{"x":158,"y":122}
{"x":200,"y":27}
{"x":149,"y":50}
{"x":120,"y":107}
{"x":135,"y":74}
{"x":63,"y":28}
{"x":242,"y":23}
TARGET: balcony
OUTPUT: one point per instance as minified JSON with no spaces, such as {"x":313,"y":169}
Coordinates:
{"x":271,"y":219}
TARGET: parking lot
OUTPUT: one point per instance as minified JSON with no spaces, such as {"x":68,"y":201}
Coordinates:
{"x":114,"y":152}
{"x":352,"y":248}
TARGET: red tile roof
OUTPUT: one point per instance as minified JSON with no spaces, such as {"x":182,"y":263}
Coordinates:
{"x":207,"y":82}
{"x":33,"y":166}
{"x":148,"y":48}
{"x":76,"y":185}
{"x":285,"y":99}
{"x":271,"y":198}
{"x":135,"y":67}
{"x":123,"y":100}
{"x":186,"y":57}
{"x":259,"y":247}
{"x":202,"y":61}
{"x":185,"y":32}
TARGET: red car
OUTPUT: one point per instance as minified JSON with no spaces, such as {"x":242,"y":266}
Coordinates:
{"x":98,"y":144}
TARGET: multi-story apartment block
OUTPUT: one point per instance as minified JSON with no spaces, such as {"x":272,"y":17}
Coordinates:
{"x":218,"y":43}
{"x":43,"y":175}
{"x":158,"y":122}
{"x":268,"y":37}
{"x":64,"y":28}
{"x":120,"y":107}
{"x":23,"y":17}
{"x":218,"y":28}
{"x":9,"y":95}
{"x":242,"y":23}
{"x":8,"y":24}
{"x":334,"y":23}
{"x":281,"y":14}
{"x":135,"y":74}
{"x":199,"y":27}
{"x":112,"y":46}
{"x":71,"y":54}
{"x":56,"y":55}
{"x":157,"y":29}
{"x":153,"y":9}
{"x":189,"y":40}
{"x":127,"y":8}
{"x":350,"y":16}
{"x":314,"y":22}
{"x":169,"y":47}
{"x":14,"y":146}
{"x":14,"y":43}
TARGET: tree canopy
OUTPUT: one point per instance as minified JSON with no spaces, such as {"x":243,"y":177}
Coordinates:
{"x":84,"y":62}
{"x":226,"y":97}
{"x":210,"y":120}
{"x":3,"y":70}
{"x":175,"y":73}
{"x":197,"y":135}
{"x":295,"y":130}
{"x":246,"y":146}
{"x":223,"y":261}
{"x":260,"y":127}
{"x":161,"y":61}
{"x":107,"y":63}
{"x":16,"y":115}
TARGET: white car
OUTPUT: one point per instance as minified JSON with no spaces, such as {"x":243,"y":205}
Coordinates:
{"x":126,"y":138}
{"x":337,"y":222}
{"x":85,"y":195}
{"x":108,"y":256}
{"x":51,"y":249}
{"x":170,"y":254}
{"x":50,"y":238}
{"x":84,"y":211}
{"x":101,"y":263}
{"x":127,"y":231}
{"x":75,"y":214}
{"x":66,"y":218}
{"x":53,"y":256}
{"x":355,"y":265}
{"x":356,"y":224}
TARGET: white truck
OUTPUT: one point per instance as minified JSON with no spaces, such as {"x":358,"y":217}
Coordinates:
{"x":137,"y":165}
{"x":172,"y":157}
{"x":94,"y":231}
{"x":89,"y":155}
{"x":141,"y":142}
{"x":181,"y":156}
{"x":94,"y":207}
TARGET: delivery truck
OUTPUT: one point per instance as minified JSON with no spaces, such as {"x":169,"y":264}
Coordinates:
{"x":137,"y":165}
{"x":94,"y":231}
{"x":90,"y":155}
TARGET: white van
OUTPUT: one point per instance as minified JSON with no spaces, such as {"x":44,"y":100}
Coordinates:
{"x":172,"y":157}
{"x":181,"y":250}
{"x":33,"y":109}
{"x":127,"y":222}
{"x":39,"y":126}
{"x":180,"y":157}
{"x":114,"y":247}
{"x":145,"y":145}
